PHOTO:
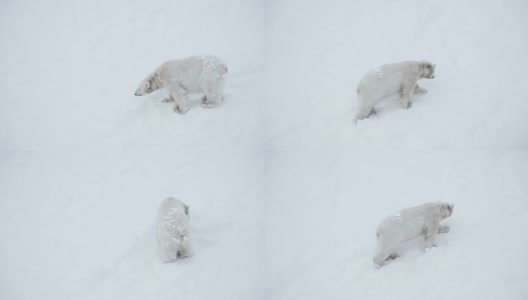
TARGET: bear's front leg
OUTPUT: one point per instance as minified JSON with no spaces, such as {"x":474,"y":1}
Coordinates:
{"x":443,"y":229}
{"x":406,"y":91}
{"x":429,"y":235}
{"x":419,"y":90}
{"x":181,"y":109}
{"x":393,"y":255}
{"x":181,"y":98}
{"x":213,"y":90}
{"x":206,"y":103}
{"x":211,"y":100}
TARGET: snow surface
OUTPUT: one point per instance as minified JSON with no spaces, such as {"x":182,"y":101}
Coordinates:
{"x":285,"y":190}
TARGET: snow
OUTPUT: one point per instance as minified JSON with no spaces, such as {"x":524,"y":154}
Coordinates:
{"x":285,"y":190}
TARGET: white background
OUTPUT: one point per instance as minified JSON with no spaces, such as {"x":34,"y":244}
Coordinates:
{"x":286,"y":191}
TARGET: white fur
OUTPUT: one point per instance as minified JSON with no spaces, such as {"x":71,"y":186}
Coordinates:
{"x":419,"y":221}
{"x":391,"y":79}
{"x":173,"y":229}
{"x":192,"y":74}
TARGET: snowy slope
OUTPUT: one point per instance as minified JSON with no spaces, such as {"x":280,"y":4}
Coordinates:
{"x":327,"y":251}
{"x":285,"y":189}
{"x":334,"y":181}
{"x":477,"y":100}
{"x":85,"y":163}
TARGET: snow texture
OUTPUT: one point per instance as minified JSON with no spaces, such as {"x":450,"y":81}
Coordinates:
{"x":286,"y":191}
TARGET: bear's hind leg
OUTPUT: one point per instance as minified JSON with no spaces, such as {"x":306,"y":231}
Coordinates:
{"x":168,"y":253}
{"x":364,"y":111}
{"x":183,"y":252}
{"x":382,"y":255}
{"x":366,"y":103}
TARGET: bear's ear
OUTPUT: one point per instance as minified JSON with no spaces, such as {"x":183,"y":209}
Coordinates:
{"x":450,"y":207}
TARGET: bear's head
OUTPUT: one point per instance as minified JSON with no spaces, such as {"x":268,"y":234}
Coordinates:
{"x":427,"y":69}
{"x":147,"y":86}
{"x":446,"y":209}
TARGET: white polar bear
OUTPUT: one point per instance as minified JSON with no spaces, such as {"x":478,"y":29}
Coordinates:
{"x":423,"y":220}
{"x":205,"y":74}
{"x":391,"y":79}
{"x":173,"y":229}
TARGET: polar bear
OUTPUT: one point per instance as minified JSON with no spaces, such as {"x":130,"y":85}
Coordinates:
{"x":418,"y":221}
{"x":391,"y":79}
{"x":204,"y":73}
{"x":173,"y":229}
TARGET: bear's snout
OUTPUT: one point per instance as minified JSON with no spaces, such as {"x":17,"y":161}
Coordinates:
{"x":137,"y":93}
